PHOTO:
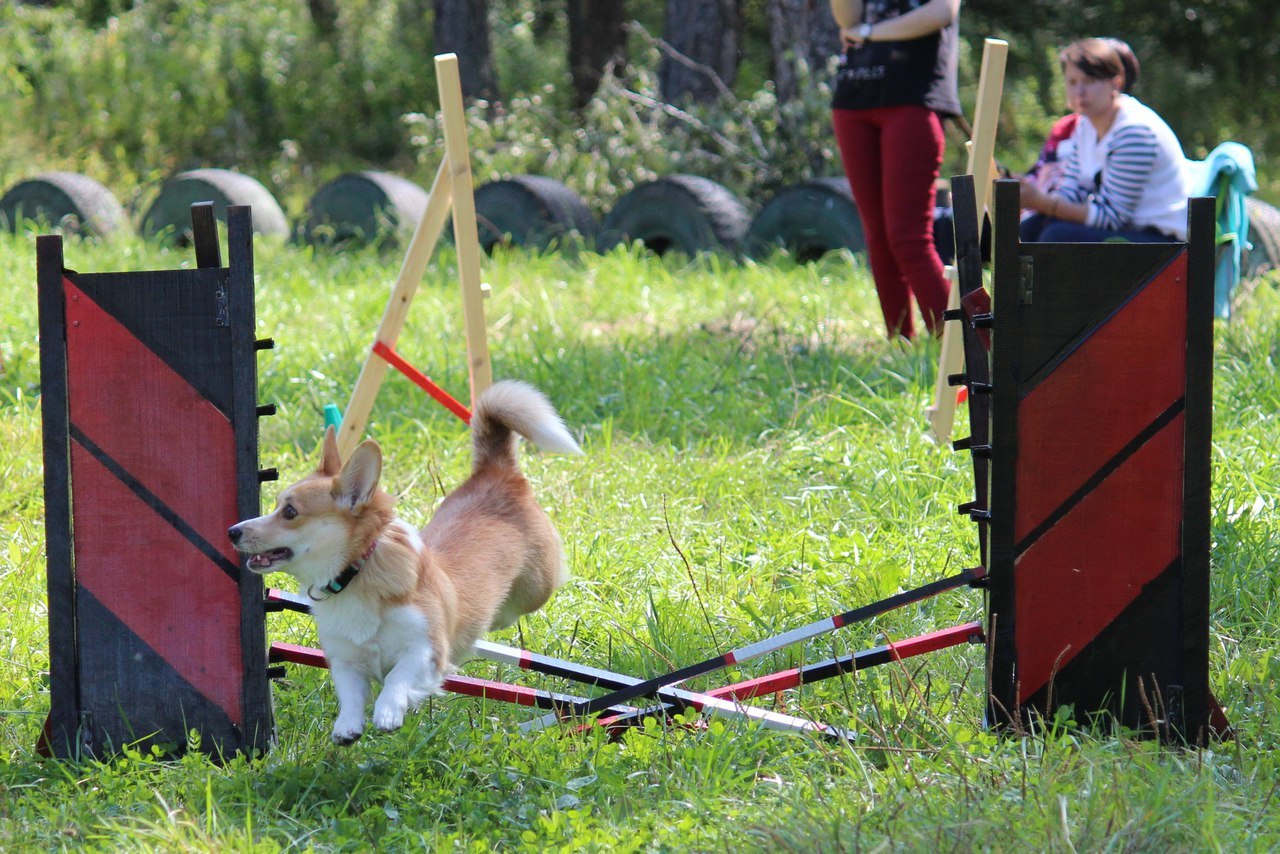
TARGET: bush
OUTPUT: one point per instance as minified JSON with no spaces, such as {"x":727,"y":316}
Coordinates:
{"x":131,"y":93}
{"x":627,"y":135}
{"x":133,"y":97}
{"x":167,"y":86}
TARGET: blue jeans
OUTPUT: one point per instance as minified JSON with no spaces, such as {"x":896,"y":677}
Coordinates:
{"x":1042,"y":229}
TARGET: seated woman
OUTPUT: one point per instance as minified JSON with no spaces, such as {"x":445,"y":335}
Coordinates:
{"x":1046,"y":172}
{"x":1126,"y":177}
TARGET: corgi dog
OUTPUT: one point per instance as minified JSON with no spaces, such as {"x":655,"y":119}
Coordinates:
{"x":398,"y":605}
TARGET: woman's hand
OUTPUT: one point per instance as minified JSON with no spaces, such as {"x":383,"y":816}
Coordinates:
{"x":924,"y":20}
{"x":850,"y":38}
{"x":1032,"y":197}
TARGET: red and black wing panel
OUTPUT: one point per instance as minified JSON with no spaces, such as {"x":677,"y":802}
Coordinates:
{"x":151,"y":429}
{"x":1099,"y":552}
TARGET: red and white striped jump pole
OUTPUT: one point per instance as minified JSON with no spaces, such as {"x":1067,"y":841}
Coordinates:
{"x":649,"y":687}
{"x":487,"y":689}
{"x":279,"y":599}
{"x":809,"y":673}
{"x":676,"y":697}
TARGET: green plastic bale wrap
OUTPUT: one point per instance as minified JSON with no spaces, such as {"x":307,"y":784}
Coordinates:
{"x":531,"y":211}
{"x":1264,"y":235}
{"x":684,"y":213}
{"x":72,"y":203}
{"x":808,"y":220}
{"x":364,"y":207}
{"x":169,"y":216}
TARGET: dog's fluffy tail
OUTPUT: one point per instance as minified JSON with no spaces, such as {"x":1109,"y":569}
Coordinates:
{"x":510,"y":407}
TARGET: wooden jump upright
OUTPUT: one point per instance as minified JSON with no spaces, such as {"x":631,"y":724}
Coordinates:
{"x":986,"y":115}
{"x":1090,"y":375}
{"x":452,"y":188}
{"x":149,"y":387}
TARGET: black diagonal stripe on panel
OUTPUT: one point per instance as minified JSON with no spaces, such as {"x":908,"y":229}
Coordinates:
{"x":174,"y":314}
{"x":130,"y":692}
{"x":1078,"y":294}
{"x":1144,"y":640}
{"x":1103,"y":472}
{"x":151,"y":500}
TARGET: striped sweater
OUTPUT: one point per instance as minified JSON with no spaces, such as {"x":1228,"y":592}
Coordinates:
{"x":1133,"y":178}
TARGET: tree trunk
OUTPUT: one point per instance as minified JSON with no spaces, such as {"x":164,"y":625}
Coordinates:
{"x":324,"y":17}
{"x":799,"y":31}
{"x":705,"y":41}
{"x":462,"y":27}
{"x":596,"y":38}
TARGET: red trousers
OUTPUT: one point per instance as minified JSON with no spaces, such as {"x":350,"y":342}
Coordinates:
{"x":892,"y":156}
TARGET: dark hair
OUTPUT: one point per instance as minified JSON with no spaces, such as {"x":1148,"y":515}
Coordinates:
{"x":1097,"y":58}
{"x":1128,"y":60}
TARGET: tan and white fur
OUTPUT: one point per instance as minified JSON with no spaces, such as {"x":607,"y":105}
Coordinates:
{"x":421,"y":599}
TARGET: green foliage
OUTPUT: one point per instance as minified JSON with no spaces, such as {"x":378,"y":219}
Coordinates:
{"x":522,"y":33}
{"x":158,"y":88}
{"x":165,"y":86}
{"x":130,"y":92}
{"x":627,"y":135}
{"x":755,"y":460}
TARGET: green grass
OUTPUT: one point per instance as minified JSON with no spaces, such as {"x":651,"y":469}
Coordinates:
{"x":755,"y":460}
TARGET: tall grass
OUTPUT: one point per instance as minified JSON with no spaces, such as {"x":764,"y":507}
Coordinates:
{"x":755,"y":459}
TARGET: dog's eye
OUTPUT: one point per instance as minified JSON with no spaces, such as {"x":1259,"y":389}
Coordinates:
{"x":289,"y":512}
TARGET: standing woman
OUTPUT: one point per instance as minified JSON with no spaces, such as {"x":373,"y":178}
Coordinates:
{"x":896,"y":82}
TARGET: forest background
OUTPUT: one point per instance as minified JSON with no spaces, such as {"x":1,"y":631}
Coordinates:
{"x":599,"y":95}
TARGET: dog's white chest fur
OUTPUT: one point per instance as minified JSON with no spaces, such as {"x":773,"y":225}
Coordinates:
{"x":354,"y":618}
{"x":348,"y":618}
{"x":371,"y":638}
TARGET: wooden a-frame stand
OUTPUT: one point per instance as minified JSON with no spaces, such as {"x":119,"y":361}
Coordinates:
{"x":986,"y":116}
{"x":452,"y":188}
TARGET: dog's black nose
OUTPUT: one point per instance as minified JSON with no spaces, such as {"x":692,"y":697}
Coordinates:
{"x":234,"y":533}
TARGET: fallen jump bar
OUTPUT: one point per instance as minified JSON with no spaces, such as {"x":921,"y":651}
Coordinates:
{"x":484,"y":688}
{"x":809,"y":673}
{"x":679,"y":698}
{"x":281,"y":600}
{"x":650,"y":687}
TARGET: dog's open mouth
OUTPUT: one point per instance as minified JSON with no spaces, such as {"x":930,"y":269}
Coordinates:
{"x":263,"y":561}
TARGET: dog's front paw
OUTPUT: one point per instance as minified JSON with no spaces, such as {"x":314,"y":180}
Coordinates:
{"x":388,"y":717}
{"x":345,"y":733}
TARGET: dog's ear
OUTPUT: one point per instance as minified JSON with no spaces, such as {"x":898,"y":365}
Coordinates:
{"x":330,"y":461}
{"x":359,"y":478}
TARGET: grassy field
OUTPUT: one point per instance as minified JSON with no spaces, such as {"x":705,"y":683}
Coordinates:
{"x":755,"y":460}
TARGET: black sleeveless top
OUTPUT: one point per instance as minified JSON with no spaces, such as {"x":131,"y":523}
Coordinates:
{"x":892,"y":74}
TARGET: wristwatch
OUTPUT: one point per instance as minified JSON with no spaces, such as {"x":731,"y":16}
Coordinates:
{"x":864,"y":31}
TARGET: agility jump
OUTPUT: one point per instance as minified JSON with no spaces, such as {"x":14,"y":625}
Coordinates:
{"x":1079,"y":611}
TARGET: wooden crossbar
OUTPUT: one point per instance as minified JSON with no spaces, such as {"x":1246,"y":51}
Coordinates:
{"x":422,"y":381}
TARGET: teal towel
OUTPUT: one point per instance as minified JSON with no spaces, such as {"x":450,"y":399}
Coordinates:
{"x":1229,"y":175}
